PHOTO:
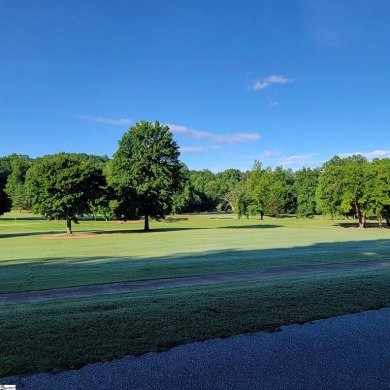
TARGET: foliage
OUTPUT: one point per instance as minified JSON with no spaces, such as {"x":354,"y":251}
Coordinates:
{"x":146,"y":172}
{"x":305,"y":185}
{"x":343,"y":188}
{"x":5,"y":201}
{"x":63,"y":187}
{"x":379,"y":188}
{"x":15,"y":182}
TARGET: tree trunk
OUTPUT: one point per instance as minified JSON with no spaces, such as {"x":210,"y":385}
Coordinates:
{"x":68,"y":226}
{"x":146,"y":226}
{"x":361,"y":217}
{"x":261,"y":215}
{"x":362,"y":221}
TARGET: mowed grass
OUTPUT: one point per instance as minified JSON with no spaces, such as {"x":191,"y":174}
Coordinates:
{"x":36,"y":254}
{"x":66,"y":334}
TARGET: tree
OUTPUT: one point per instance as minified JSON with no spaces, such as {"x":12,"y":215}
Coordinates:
{"x":329,"y":190}
{"x":343,"y":188}
{"x":5,"y":171}
{"x":379,"y":188}
{"x":5,"y":201}
{"x":19,"y":164}
{"x":146,"y":172}
{"x":305,"y":185}
{"x":62,"y":187}
{"x":257,"y":189}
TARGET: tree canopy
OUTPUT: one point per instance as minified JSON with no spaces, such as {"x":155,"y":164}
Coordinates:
{"x":146,"y":172}
{"x":62,"y":187}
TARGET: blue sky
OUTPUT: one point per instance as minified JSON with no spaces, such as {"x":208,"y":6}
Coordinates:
{"x":289,"y":83}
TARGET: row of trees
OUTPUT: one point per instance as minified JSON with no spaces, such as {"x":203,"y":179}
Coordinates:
{"x":140,"y":180}
{"x":146,"y":179}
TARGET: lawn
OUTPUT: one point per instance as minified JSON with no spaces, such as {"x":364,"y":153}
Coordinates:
{"x":35,"y":254}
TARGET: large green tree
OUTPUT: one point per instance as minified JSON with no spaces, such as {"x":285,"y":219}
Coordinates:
{"x":305,"y":185}
{"x":62,"y":187}
{"x":146,"y":172}
{"x":379,"y":188}
{"x":343,"y":188}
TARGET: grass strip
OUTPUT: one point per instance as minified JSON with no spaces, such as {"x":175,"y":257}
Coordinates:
{"x":69,"y":334}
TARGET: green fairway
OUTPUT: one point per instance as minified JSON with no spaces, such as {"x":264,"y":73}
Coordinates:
{"x":35,"y":254}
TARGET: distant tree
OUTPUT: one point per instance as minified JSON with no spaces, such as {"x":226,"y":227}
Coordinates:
{"x":238,"y":200}
{"x":259,"y":188}
{"x":356,"y":197}
{"x":343,"y":188}
{"x":63,"y":187}
{"x":379,"y":188}
{"x":205,"y":189}
{"x":282,"y":192}
{"x":5,"y":171}
{"x":15,"y":181}
{"x":146,"y":171}
{"x":305,"y":185}
{"x":5,"y":201}
{"x":329,"y":190}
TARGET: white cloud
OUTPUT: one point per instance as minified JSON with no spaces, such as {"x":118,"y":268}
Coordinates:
{"x":369,"y":155}
{"x":232,"y":138}
{"x":273,"y":79}
{"x":271,"y":154}
{"x":216,"y":168}
{"x":109,"y":121}
{"x":191,"y":149}
{"x":297,"y":159}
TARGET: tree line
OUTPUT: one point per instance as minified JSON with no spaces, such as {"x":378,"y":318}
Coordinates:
{"x":145,"y":178}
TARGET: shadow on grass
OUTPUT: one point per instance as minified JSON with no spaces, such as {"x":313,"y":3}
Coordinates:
{"x":174,"y":219}
{"x":46,"y":273}
{"x":162,"y":229}
{"x":355,"y":224}
{"x":258,"y":226}
{"x":26,"y":234}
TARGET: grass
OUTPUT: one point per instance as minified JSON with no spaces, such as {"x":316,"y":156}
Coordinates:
{"x":36,"y":255}
{"x":70,"y":333}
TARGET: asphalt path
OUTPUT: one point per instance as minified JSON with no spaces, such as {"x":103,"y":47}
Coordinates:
{"x":342,"y":353}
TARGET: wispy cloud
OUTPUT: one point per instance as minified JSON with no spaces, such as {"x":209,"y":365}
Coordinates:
{"x":369,"y":155}
{"x":297,"y":159}
{"x":232,"y":138}
{"x":271,"y":153}
{"x":294,"y":162}
{"x":109,"y":121}
{"x":191,"y":149}
{"x":267,"y":81}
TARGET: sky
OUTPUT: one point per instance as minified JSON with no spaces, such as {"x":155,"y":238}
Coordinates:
{"x":285,"y":82}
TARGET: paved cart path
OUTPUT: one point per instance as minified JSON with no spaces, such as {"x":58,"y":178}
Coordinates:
{"x":350,"y":352}
{"x":198,"y":280}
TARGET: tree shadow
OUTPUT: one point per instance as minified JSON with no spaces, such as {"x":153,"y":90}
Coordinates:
{"x":25,"y":234}
{"x":175,"y":219}
{"x":26,"y":275}
{"x":37,"y":218}
{"x":355,"y":224}
{"x":257,"y":226}
{"x":160,"y":229}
